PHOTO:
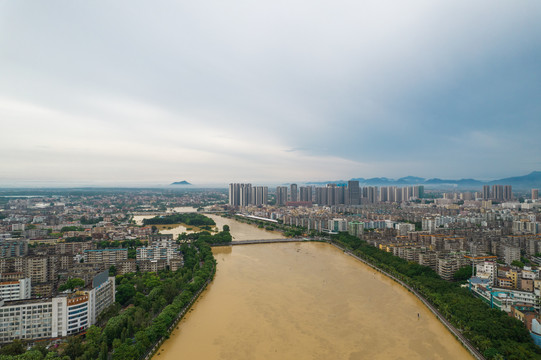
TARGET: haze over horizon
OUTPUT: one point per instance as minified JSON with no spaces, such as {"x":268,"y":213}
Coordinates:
{"x":218,"y":92}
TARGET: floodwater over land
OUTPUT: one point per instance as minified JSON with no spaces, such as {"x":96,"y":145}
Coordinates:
{"x":305,"y":301}
{"x":240,"y":231}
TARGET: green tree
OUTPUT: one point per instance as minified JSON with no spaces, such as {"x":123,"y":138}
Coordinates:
{"x":104,"y":350}
{"x":463,"y":274}
{"x":15,"y":348}
{"x":125,"y":352}
{"x":72,"y":284}
{"x":41,"y":348}
{"x":94,"y":335}
{"x":74,"y":347}
{"x":124,"y":293}
{"x":518,"y":263}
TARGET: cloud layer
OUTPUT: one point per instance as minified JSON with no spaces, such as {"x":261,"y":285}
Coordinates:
{"x":217,"y":91}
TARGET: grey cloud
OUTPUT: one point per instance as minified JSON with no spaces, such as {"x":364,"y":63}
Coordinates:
{"x":370,"y":82}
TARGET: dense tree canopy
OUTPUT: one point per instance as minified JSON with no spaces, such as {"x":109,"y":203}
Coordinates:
{"x":223,"y":237}
{"x":187,"y":218}
{"x":462,"y":274}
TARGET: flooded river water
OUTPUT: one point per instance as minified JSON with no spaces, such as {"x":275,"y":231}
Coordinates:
{"x":305,"y":301}
{"x":240,"y":231}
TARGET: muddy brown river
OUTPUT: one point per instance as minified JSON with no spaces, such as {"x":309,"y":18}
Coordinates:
{"x":305,"y":301}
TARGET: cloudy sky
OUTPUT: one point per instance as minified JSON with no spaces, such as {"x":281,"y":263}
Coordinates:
{"x":121,"y":92}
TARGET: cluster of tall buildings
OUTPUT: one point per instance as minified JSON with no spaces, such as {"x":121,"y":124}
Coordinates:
{"x":331,"y":194}
{"x":498,"y":192}
{"x":398,"y":194}
{"x":246,"y":194}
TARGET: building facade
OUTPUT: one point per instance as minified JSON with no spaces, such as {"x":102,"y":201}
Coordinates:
{"x":56,"y":317}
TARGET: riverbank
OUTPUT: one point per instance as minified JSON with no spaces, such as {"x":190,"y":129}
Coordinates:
{"x":465,"y":342}
{"x":156,"y":347}
{"x":244,"y":231}
{"x":492,"y":332}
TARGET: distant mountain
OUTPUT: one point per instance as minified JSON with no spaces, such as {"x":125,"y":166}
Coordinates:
{"x":183,"y":182}
{"x":532,"y":180}
{"x":412,"y":180}
{"x":337,"y":182}
{"x":461,"y":182}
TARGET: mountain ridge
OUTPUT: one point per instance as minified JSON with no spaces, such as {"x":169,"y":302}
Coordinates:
{"x":183,"y":182}
{"x":531,"y":180}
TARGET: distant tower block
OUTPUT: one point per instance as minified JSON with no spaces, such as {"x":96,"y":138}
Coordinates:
{"x":354,"y":193}
{"x":281,"y":195}
{"x":507,"y":193}
{"x":535,"y":194}
{"x":486,"y":192}
{"x":294,"y":193}
{"x":306,"y":193}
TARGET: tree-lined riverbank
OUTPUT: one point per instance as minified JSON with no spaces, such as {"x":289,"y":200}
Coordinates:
{"x":495,"y":334}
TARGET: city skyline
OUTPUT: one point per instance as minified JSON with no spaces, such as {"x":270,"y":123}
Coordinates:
{"x":140,"y":93}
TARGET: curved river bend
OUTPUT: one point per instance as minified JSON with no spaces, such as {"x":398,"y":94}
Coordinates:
{"x":305,"y":301}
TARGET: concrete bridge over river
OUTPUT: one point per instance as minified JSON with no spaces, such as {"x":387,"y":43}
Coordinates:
{"x":165,"y":213}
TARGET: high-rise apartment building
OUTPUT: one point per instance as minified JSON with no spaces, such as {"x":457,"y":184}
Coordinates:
{"x":306,"y":193}
{"x":535,"y":194}
{"x":507,"y":193}
{"x":321,"y":195}
{"x":391,"y":194}
{"x":245,"y":194}
{"x":260,"y":195}
{"x":398,"y":194}
{"x":331,"y":194}
{"x":281,"y":195}
{"x":497,"y":192}
{"x":234,"y":194}
{"x":486,"y":192}
{"x":240,"y":194}
{"x":370,"y":194}
{"x":294,"y":192}
{"x":383,"y":194}
{"x":340,"y":195}
{"x":354,"y":193}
